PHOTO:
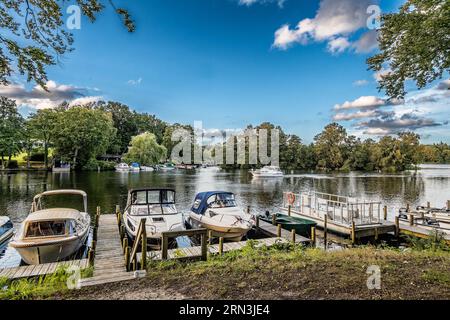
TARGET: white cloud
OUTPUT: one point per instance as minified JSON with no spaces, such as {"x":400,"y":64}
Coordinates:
{"x":134,"y":82}
{"x":248,"y":3}
{"x":366,"y":102}
{"x":334,"y":22}
{"x":378,"y":76}
{"x":38,"y":98}
{"x":360,"y":83}
{"x":355,"y":115}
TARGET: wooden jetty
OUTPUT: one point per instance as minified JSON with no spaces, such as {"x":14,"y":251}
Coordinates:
{"x":108,"y":260}
{"x":40,"y":269}
{"x":413,"y":227}
{"x":342,"y":215}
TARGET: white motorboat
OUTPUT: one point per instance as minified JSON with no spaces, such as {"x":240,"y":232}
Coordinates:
{"x":167,"y":167}
{"x":267,"y":172}
{"x":146,"y":168}
{"x":122,"y":167}
{"x":6,"y":229}
{"x":53,"y":234}
{"x":157,"y":206}
{"x":135,"y":167}
{"x":217,"y":211}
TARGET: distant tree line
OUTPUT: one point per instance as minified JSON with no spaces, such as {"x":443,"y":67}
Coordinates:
{"x":80,"y":135}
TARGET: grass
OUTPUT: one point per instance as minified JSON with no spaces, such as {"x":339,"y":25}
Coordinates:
{"x":38,"y":288}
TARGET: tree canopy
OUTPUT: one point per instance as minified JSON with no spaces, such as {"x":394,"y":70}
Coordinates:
{"x":414,"y":45}
{"x":34,"y":35}
{"x":144,"y":149}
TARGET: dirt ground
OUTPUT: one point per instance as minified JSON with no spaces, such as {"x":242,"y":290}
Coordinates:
{"x":309,"y":275}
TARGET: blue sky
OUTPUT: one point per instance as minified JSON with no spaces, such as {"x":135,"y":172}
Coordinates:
{"x":221,"y":62}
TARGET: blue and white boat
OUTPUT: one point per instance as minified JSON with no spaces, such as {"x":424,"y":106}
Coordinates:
{"x":135,"y":167}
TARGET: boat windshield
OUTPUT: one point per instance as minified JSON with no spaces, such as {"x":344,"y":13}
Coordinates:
{"x":221,"y":200}
{"x":152,"y":197}
{"x":46,"y":229}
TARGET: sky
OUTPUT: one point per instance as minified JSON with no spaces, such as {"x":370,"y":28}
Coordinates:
{"x":230,"y":63}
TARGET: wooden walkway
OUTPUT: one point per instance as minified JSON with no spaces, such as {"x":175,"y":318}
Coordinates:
{"x":196,"y":252}
{"x":422,"y":231}
{"x":272,"y":230}
{"x":40,"y":269}
{"x":109,"y":261}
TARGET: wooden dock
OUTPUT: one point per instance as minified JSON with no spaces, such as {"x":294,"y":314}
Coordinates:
{"x":40,"y":269}
{"x":272,"y":231}
{"x":421,"y":231}
{"x":195,"y":252}
{"x":109,"y":261}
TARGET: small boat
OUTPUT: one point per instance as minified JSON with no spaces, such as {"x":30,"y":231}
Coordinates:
{"x":50,"y":235}
{"x":217,"y":211}
{"x":302,"y":226}
{"x":157,"y":206}
{"x":6,"y":229}
{"x":167,"y":167}
{"x":122,"y":167}
{"x":146,"y":168}
{"x":267,"y":172}
{"x":135,"y":167}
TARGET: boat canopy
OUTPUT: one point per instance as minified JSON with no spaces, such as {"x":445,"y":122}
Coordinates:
{"x":203,"y":200}
{"x":147,"y":196}
{"x":36,"y":205}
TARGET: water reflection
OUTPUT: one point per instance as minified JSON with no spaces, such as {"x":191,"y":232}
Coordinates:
{"x":106,"y":189}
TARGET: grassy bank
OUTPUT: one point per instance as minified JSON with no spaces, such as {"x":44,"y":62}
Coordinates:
{"x":287,"y":273}
{"x":282,"y":272}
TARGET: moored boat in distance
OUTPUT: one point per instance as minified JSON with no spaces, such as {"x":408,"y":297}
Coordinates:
{"x":157,"y":206}
{"x":6,"y":229}
{"x":53,"y":234}
{"x":147,"y":168}
{"x":167,"y":167}
{"x":217,"y":211}
{"x":268,"y":172}
{"x":122,"y":167}
{"x":135,"y":167}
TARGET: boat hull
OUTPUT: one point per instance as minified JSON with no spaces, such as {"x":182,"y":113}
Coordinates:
{"x":229,"y":233}
{"x":34,"y":254}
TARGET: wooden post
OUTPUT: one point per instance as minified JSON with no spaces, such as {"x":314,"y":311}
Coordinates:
{"x":448,"y":204}
{"x":248,"y":209}
{"x":353,"y":233}
{"x":257,"y":221}
{"x":94,"y":245}
{"x":313,"y":235}
{"x":122,"y":231}
{"x":127,"y":258}
{"x":428,"y":204}
{"x":133,"y":267}
{"x":204,"y":247}
{"x":385,"y":213}
{"x":117,"y":209}
{"x":209,"y":236}
{"x":407,"y":207}
{"x":289,"y":210}
{"x":376,"y":234}
{"x":411,"y":219}
{"x":279,"y":230}
{"x":124,"y":244}
{"x":274,"y":219}
{"x":221,"y":245}
{"x":325,"y":231}
{"x":91,"y":257}
{"x":293,"y":236}
{"x":164,"y":246}
{"x":143,"y":246}
{"x":397,"y":226}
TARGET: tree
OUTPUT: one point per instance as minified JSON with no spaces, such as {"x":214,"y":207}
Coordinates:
{"x":409,"y":143}
{"x":34,"y":35}
{"x":330,"y":147}
{"x":82,"y":134}
{"x":42,"y":127}
{"x":11,"y":128}
{"x":145,"y":150}
{"x":414,"y":44}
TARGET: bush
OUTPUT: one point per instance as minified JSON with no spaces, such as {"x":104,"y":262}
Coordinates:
{"x":38,"y":157}
{"x":93,"y":165}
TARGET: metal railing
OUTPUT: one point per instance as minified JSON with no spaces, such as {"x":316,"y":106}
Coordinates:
{"x":339,"y":209}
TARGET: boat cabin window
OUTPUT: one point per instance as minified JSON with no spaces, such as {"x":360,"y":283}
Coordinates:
{"x":222,"y":200}
{"x":6,"y":227}
{"x":153,"y":197}
{"x":46,"y":229}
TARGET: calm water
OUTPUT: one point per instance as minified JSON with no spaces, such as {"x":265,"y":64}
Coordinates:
{"x":106,"y":189}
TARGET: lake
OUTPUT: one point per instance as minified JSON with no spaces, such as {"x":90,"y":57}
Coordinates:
{"x":106,"y":189}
